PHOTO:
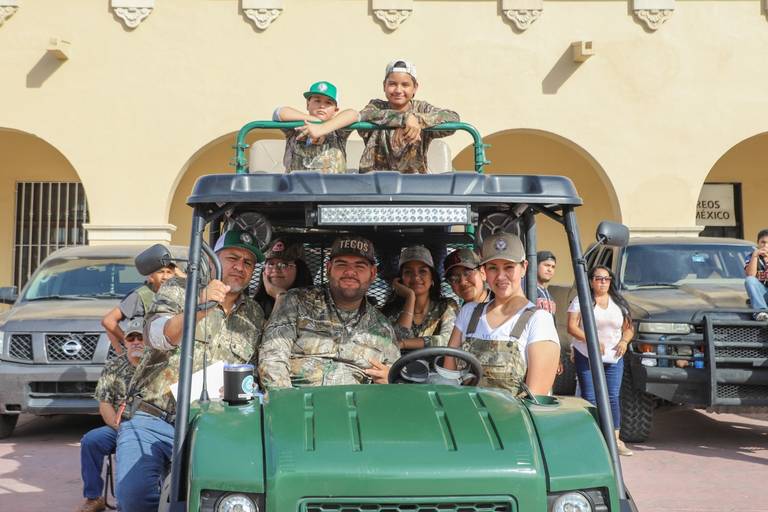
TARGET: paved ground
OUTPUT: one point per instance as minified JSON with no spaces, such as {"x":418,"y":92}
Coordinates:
{"x":695,"y":462}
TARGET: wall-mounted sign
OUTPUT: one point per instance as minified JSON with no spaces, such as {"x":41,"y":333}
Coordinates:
{"x":716,"y":205}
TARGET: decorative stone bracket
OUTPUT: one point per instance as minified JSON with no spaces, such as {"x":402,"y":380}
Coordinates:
{"x":7,"y":8}
{"x":522,"y":12}
{"x":392,"y":13}
{"x":653,"y":13}
{"x":132,"y":12}
{"x":262,"y":12}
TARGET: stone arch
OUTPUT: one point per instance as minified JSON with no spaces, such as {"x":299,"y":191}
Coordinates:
{"x":526,"y":151}
{"x":29,"y":158}
{"x":744,"y":164}
{"x":213,"y":157}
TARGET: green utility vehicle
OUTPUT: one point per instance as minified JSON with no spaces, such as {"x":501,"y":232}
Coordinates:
{"x":399,"y":447}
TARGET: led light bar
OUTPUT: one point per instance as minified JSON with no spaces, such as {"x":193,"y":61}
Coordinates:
{"x":360,"y":215}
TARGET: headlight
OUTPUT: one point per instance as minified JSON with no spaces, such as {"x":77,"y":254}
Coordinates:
{"x":664,"y":328}
{"x":236,"y":503}
{"x":571,"y":502}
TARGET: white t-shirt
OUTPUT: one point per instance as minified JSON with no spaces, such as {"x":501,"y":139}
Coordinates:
{"x":608,"y":322}
{"x":541,"y":327}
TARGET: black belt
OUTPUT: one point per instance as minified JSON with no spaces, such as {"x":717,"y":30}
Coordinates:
{"x":137,"y":404}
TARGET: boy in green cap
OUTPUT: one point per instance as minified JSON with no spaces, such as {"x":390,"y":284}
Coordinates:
{"x":317,"y":147}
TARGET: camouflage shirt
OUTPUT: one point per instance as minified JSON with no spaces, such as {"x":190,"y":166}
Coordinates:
{"x":113,"y":383}
{"x":310,"y":342}
{"x":435,"y":329}
{"x":230,"y":338}
{"x":382,"y":152}
{"x":328,"y":157}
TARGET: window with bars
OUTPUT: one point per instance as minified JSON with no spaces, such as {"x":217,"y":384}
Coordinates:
{"x":49,"y":216}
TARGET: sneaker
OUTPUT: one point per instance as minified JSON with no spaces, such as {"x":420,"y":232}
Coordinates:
{"x":622,"y":448}
{"x":761,"y":316}
{"x":93,"y":505}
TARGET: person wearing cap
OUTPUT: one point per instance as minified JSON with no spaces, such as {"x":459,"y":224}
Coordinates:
{"x":544,"y":274}
{"x":229,"y":327}
{"x":284,"y":269}
{"x":134,"y":305}
{"x":463,"y":273}
{"x":420,"y":314}
{"x":317,"y":146}
{"x":111,"y":393}
{"x":404,"y":148}
{"x":513,"y":340}
{"x":329,"y":334}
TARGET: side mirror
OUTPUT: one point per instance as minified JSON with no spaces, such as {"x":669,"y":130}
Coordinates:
{"x":8,"y":294}
{"x":153,"y":259}
{"x":612,"y":234}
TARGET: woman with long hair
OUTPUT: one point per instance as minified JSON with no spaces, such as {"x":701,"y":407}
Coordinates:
{"x":284,"y":269}
{"x":613,"y":323}
{"x":422,"y":317}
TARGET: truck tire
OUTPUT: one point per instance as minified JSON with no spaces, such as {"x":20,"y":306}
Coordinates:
{"x":7,"y":424}
{"x":636,"y":411}
{"x":565,"y":383}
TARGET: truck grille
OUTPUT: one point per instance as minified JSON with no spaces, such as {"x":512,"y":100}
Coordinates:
{"x":743,"y":392}
{"x":21,"y":347}
{"x":408,"y":507}
{"x":736,"y":343}
{"x":71,"y":347}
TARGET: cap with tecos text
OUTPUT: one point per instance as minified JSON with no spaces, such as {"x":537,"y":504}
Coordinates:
{"x":353,"y":246}
{"x":503,"y":246}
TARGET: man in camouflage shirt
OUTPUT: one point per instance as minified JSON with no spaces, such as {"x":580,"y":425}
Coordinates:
{"x":327,"y":335}
{"x":404,"y":148}
{"x":111,"y":392}
{"x":228,"y":332}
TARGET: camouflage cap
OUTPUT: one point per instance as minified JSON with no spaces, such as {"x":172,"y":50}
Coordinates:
{"x":134,"y":326}
{"x":354,"y":246}
{"x":241,"y":239}
{"x":284,"y":249}
{"x":503,"y":246}
{"x":462,"y":258}
{"x":416,"y":253}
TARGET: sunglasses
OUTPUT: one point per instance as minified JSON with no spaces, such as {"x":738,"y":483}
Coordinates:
{"x":602,"y":279}
{"x":279,"y":266}
{"x":134,"y":337}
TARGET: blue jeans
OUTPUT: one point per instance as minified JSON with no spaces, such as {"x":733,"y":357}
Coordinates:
{"x":94,"y":446}
{"x":613,"y":374}
{"x":144,"y":447}
{"x":758,"y":293}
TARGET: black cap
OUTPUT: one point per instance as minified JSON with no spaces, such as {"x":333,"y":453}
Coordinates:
{"x":544,"y":256}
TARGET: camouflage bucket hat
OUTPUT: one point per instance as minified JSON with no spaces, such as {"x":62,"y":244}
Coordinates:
{"x":286,"y":250}
{"x":416,"y":253}
{"x":503,"y":247}
{"x":462,"y":258}
{"x":241,"y":239}
{"x":353,"y":246}
{"x":326,"y":89}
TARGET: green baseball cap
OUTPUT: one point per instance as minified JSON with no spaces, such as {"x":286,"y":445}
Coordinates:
{"x":326,"y":89}
{"x":241,"y":239}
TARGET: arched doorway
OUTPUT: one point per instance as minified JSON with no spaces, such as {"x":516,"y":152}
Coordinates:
{"x":528,"y":151}
{"x":42,"y":201}
{"x":732,"y":199}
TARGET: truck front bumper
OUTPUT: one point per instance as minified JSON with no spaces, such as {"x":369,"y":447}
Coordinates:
{"x":48,"y":389}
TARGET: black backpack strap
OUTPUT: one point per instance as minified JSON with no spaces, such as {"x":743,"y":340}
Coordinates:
{"x":519,"y":327}
{"x":475,"y":318}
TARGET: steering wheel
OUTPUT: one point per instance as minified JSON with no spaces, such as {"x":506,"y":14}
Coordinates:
{"x":474,"y":369}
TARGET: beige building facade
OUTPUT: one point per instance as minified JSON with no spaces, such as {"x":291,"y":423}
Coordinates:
{"x":640,"y":102}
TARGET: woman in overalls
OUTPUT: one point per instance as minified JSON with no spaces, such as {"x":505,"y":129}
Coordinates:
{"x":514,"y":341}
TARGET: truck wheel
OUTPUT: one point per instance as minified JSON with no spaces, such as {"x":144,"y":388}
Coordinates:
{"x":7,"y":424}
{"x":636,"y":411}
{"x":565,"y":383}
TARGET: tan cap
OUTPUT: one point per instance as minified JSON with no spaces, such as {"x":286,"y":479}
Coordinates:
{"x":354,"y":246}
{"x":135,"y":326}
{"x":285,"y":250}
{"x":462,"y":258}
{"x":416,"y":253}
{"x":503,"y":246}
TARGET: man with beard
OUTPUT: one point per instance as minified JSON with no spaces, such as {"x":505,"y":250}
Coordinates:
{"x":111,"y":392}
{"x":229,"y":332}
{"x":328,"y":335}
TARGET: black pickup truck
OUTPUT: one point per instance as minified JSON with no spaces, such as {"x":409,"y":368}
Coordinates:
{"x":696,"y":342}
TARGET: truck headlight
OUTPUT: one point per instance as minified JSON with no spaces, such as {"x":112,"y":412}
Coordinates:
{"x":236,"y":503}
{"x":571,"y":502}
{"x":663,"y":328}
